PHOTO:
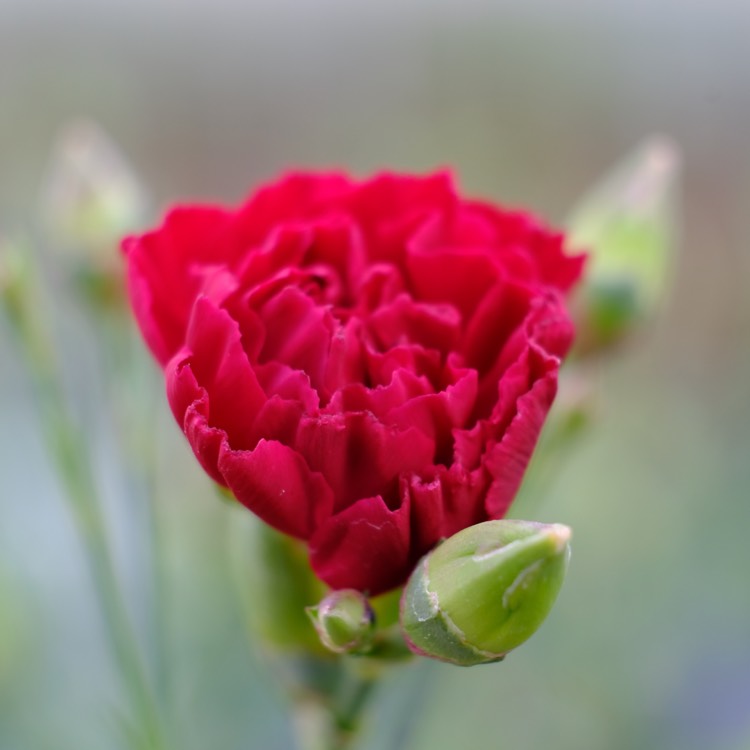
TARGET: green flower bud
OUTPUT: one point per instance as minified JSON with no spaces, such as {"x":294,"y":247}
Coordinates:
{"x":345,"y":621}
{"x":484,"y":591}
{"x":628,"y":224}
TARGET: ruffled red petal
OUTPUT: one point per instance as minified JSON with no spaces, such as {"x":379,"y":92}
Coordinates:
{"x":367,"y":546}
{"x":274,"y":482}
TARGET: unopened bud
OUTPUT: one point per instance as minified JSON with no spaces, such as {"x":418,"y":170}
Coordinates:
{"x":484,"y":591}
{"x":345,"y":621}
{"x":628,"y":224}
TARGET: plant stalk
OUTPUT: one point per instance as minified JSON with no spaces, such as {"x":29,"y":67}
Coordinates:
{"x":70,"y":454}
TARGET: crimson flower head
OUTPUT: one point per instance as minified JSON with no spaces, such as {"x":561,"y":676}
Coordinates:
{"x":365,"y":365}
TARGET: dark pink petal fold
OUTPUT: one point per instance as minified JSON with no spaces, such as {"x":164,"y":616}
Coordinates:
{"x":275,"y":483}
{"x":366,"y":546}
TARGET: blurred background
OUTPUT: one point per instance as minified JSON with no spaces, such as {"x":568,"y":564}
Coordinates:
{"x":529,"y":101}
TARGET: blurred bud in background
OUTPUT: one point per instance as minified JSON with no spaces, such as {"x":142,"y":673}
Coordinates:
{"x":344,"y":621}
{"x":90,"y":199}
{"x":484,"y":591}
{"x":629,"y":224}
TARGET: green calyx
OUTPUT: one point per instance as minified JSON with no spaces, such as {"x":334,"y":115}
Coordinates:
{"x":344,"y":621}
{"x":484,"y":591}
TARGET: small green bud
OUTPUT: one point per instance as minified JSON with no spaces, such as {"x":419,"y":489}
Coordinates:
{"x":345,"y":621}
{"x":628,"y":224}
{"x":484,"y":591}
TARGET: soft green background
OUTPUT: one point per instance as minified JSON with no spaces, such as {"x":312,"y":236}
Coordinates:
{"x":529,"y":101}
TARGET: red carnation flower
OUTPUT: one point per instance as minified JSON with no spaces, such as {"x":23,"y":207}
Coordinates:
{"x":365,"y":365}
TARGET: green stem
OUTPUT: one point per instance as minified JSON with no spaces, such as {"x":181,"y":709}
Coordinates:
{"x":333,"y":723}
{"x":560,"y":437}
{"x":413,"y":705}
{"x":330,"y":698}
{"x":69,"y":451}
{"x":349,"y":714}
{"x":132,"y":406}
